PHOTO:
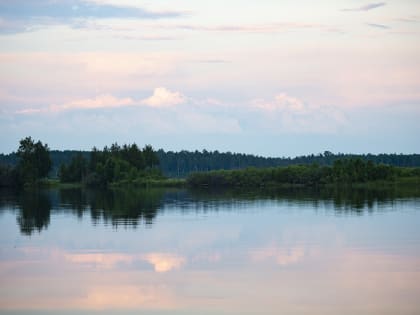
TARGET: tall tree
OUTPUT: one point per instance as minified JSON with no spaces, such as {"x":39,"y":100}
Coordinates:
{"x":34,"y":160}
{"x":150,"y":157}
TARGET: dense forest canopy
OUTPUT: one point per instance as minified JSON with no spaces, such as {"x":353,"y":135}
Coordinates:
{"x":33,"y":162}
{"x":181,"y":164}
{"x":344,"y":171}
{"x":110,"y":165}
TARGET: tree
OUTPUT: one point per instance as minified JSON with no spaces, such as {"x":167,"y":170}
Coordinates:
{"x":150,"y":157}
{"x":75,"y":171}
{"x":34,"y":160}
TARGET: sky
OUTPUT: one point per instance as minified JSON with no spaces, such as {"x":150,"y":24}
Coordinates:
{"x":268,"y":77}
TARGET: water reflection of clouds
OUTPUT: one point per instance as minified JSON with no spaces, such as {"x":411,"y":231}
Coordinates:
{"x":164,"y":262}
{"x":269,"y":257}
{"x":101,"y":260}
{"x":375,"y":279}
{"x":281,"y":256}
{"x":92,"y":260}
{"x":161,"y":262}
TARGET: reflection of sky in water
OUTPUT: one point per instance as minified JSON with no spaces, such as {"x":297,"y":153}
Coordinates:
{"x":259,"y":256}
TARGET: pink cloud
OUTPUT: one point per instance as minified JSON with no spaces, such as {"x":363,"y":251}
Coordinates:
{"x":161,"y":97}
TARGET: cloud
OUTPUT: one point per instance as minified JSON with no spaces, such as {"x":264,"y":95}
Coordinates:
{"x":147,"y":37}
{"x":409,"y":19}
{"x":25,"y":15}
{"x":285,"y":113}
{"x":367,"y":7}
{"x":101,"y":101}
{"x":162,"y":97}
{"x":378,"y":26}
{"x":254,"y":28}
{"x":167,"y":110}
{"x":282,"y":102}
{"x":66,"y":9}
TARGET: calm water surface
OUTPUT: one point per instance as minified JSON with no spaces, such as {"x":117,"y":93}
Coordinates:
{"x":181,"y":252}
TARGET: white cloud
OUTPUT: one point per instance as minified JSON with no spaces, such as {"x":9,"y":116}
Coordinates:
{"x":162,"y":97}
{"x":285,"y":113}
{"x":282,"y":102}
{"x":366,"y":7}
{"x":171,"y":109}
{"x":101,"y":101}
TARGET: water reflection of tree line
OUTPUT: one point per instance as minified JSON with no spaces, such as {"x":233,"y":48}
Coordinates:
{"x":130,"y":208}
{"x":35,"y":211}
{"x":118,"y":207}
{"x":342,"y":200}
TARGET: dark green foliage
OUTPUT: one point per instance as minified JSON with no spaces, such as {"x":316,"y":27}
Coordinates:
{"x":346,"y":171}
{"x":113,"y":164}
{"x":181,"y":164}
{"x":34,"y":213}
{"x":74,"y":172}
{"x":9,"y":176}
{"x":34,"y":160}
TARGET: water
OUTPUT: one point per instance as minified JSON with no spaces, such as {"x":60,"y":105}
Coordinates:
{"x":183,"y":252}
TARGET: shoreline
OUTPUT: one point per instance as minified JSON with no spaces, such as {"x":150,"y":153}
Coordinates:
{"x":412,"y":182}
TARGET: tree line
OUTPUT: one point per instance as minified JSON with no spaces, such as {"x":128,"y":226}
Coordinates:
{"x":98,"y":168}
{"x":127,"y":163}
{"x":112,"y":164}
{"x":181,"y":164}
{"x":345,"y":171}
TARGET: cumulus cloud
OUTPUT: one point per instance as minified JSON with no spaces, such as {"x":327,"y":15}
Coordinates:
{"x":282,"y":102}
{"x":367,"y":7}
{"x":162,"y":97}
{"x":171,"y":109}
{"x":285,"y":113}
{"x":101,"y":101}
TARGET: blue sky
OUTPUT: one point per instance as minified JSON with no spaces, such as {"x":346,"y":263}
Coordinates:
{"x":276,"y":78}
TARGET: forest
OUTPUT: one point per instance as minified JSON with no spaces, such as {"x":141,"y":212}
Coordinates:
{"x":344,"y":171}
{"x":98,"y":168}
{"x":110,"y":165}
{"x":129,"y":164}
{"x":181,"y":164}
